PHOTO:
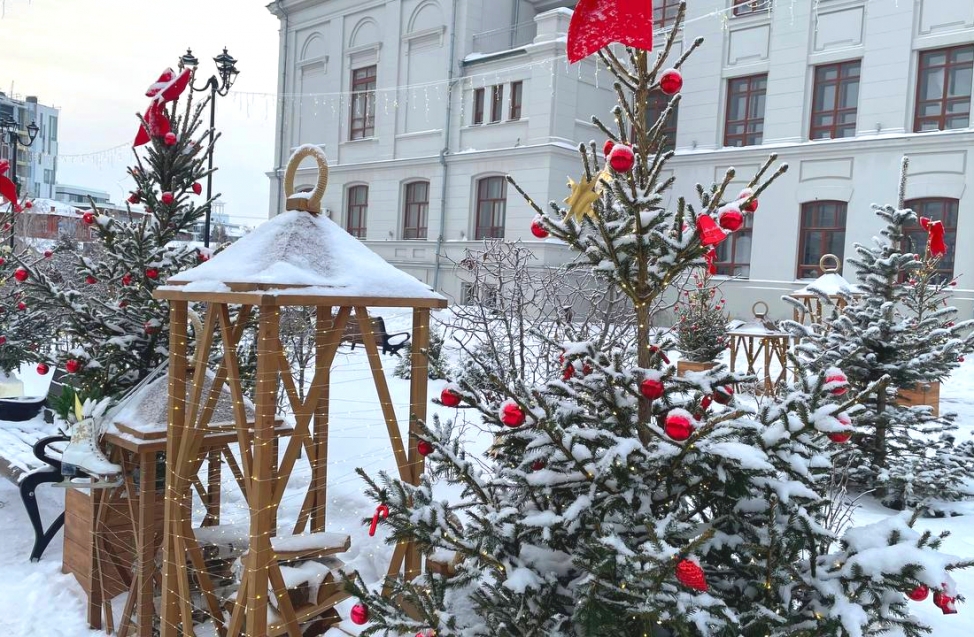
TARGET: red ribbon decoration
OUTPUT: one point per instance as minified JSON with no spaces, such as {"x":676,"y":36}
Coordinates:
{"x":656,"y":350}
{"x":7,"y":188}
{"x":381,"y":510}
{"x":167,"y":88}
{"x":711,"y":258}
{"x":935,"y":229}
{"x":598,"y":23}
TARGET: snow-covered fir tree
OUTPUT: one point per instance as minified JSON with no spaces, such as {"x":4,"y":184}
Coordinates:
{"x":899,"y":325}
{"x":621,"y":499}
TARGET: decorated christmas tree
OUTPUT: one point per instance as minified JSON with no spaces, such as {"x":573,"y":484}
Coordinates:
{"x":701,"y":320}
{"x":621,"y":499}
{"x":900,"y":326}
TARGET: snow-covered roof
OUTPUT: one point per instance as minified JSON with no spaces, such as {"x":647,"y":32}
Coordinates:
{"x":41,"y":206}
{"x":300,"y":253}
{"x":831,"y":284}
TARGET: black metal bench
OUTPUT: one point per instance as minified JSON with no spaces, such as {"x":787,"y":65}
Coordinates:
{"x":353,"y":335}
{"x":28,"y":493}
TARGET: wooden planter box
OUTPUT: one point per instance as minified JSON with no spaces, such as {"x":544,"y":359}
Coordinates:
{"x":922,"y":394}
{"x":682,"y":367}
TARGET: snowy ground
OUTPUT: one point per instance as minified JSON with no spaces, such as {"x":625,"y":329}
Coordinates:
{"x":37,"y":600}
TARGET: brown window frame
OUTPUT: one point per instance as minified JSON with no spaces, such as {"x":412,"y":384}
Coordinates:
{"x":750,"y":93}
{"x":811,"y":270}
{"x":729,"y":247}
{"x":664,"y":13}
{"x":943,"y":209}
{"x":751,"y":7}
{"x":487,"y":228}
{"x":357,"y":212}
{"x":841,"y":81}
{"x":363,"y":91}
{"x":945,"y":100}
{"x":478,"y":105}
{"x":655,"y":106}
{"x":415,"y":218}
{"x":496,"y":103}
{"x":517,"y":97}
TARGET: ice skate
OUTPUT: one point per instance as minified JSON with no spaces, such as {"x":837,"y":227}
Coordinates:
{"x":83,"y":465}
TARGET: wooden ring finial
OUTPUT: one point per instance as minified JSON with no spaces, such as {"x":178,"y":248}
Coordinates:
{"x":826,"y":258}
{"x":304,"y":201}
{"x":759,"y":314}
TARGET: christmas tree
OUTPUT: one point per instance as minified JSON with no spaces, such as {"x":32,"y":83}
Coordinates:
{"x":621,"y":499}
{"x":900,"y":326}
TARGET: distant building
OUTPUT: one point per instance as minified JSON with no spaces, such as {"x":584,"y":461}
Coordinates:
{"x":221,"y":229}
{"x":47,"y":221}
{"x":36,"y":164}
{"x":79,"y":196}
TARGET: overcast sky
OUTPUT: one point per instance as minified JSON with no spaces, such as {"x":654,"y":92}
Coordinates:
{"x":94,"y":59}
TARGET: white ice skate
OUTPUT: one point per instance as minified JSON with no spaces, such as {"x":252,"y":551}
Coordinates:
{"x":83,"y":458}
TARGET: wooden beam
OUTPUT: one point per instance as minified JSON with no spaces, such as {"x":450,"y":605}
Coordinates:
{"x":418,"y":388}
{"x":327,"y":330}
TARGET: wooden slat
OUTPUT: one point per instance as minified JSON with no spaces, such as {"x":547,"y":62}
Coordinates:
{"x":235,"y":469}
{"x":145,"y":543}
{"x":236,"y":390}
{"x":237,"y":616}
{"x":203,"y":577}
{"x":327,"y":329}
{"x":418,"y":388}
{"x":284,"y":606}
{"x":395,"y":566}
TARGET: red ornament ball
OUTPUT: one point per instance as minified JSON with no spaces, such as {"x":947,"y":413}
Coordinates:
{"x":835,"y":376}
{"x":960,"y":359}
{"x":3,"y":339}
{"x":670,"y":82}
{"x":841,"y":436}
{"x":919,"y":593}
{"x":691,"y":575}
{"x":450,"y":398}
{"x":679,"y":427}
{"x":622,"y":159}
{"x":152,"y":273}
{"x":651,"y":388}
{"x":135,"y":198}
{"x":197,"y":188}
{"x":150,"y":327}
{"x":90,"y":280}
{"x":538,"y":230}
{"x":537,"y":465}
{"x":170,"y":139}
{"x":72,"y":366}
{"x":167,"y":198}
{"x":607,"y":147}
{"x":511,"y":414}
{"x":48,"y":254}
{"x":126,"y":279}
{"x":20,"y":274}
{"x":2,"y":260}
{"x":202,"y":257}
{"x":944,"y":602}
{"x":21,"y":306}
{"x":88,"y":218}
{"x":424,"y":448}
{"x":750,"y":207}
{"x":724,"y":395}
{"x":359,"y":614}
{"x":28,"y":204}
{"x":731,"y":220}
{"x":42,"y":369}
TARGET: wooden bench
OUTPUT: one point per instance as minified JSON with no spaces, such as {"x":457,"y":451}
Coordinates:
{"x":353,"y":335}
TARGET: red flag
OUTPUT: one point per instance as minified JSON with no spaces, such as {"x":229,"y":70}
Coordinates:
{"x":597,"y":23}
{"x":935,"y":229}
{"x":7,"y":188}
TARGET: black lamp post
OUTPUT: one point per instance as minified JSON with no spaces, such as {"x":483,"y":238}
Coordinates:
{"x":10,"y":129}
{"x":217,"y":85}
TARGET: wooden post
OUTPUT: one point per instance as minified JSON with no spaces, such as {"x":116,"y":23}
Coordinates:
{"x":145,"y":545}
{"x":418,"y":388}
{"x":319,"y":459}
{"x":213,"y":478}
{"x":95,"y":590}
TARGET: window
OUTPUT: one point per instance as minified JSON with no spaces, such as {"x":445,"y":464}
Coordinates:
{"x":363,"y":103}
{"x":744,"y":125}
{"x":734,"y":253}
{"x":938,"y":209}
{"x":655,"y":106}
{"x":750,"y":7}
{"x":358,"y":206}
{"x":491,"y":208}
{"x":516,"y":89}
{"x":664,"y":13}
{"x":822,"y":232}
{"x":471,"y":294}
{"x":944,"y":89}
{"x":834,"y":101}
{"x":496,"y":103}
{"x":417,"y":210}
{"x":478,"y":106}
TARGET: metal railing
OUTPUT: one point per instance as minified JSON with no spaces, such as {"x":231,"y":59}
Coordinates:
{"x":505,"y":38}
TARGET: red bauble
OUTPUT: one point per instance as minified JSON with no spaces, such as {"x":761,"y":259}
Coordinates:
{"x":724,"y":395}
{"x":607,"y":147}
{"x":359,"y":614}
{"x":944,"y":602}
{"x":152,"y":273}
{"x":72,"y":366}
{"x":731,"y":220}
{"x":3,"y":339}
{"x":197,"y":188}
{"x":2,"y":260}
{"x":960,"y":359}
{"x":750,"y":207}
{"x":841,"y":436}
{"x":135,"y":198}
{"x":48,"y":254}
{"x":90,"y":280}
{"x":28,"y":204}
{"x":88,"y":218}
{"x":126,"y":279}
{"x":919,"y":593}
{"x":537,"y":465}
{"x":622,"y":159}
{"x":167,"y":198}
{"x":42,"y":369}
{"x":424,"y":448}
{"x":201,"y":257}
{"x":21,"y":306}
{"x":651,"y":388}
{"x":150,"y":327}
{"x":449,"y":397}
{"x":538,"y":230}
{"x":670,"y":82}
{"x":834,"y":376}
{"x":679,"y":427}
{"x":691,"y":575}
{"x":511,"y":414}
{"x":170,"y":139}
{"x":20,"y":274}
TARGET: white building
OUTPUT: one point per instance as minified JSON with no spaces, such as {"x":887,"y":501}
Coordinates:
{"x":36,"y":164}
{"x":840,"y":89}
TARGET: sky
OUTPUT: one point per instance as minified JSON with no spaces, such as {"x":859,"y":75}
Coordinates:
{"x":94,"y":59}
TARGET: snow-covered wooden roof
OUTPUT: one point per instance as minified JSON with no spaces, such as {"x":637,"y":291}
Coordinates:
{"x":830,"y":284}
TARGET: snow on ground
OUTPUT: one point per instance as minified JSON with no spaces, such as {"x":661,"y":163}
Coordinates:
{"x":38,"y":600}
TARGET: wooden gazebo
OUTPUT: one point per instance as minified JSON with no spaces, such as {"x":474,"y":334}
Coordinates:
{"x":831,"y":284}
{"x":298,"y":258}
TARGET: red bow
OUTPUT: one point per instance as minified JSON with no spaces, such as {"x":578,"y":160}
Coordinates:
{"x":7,"y":188}
{"x":381,"y":510}
{"x":936,"y":231}
{"x":167,"y":88}
{"x":711,"y":258}
{"x":597,"y":23}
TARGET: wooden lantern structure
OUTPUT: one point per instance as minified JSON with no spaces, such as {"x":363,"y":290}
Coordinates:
{"x":831,"y":283}
{"x":298,"y":258}
{"x":762,"y":343}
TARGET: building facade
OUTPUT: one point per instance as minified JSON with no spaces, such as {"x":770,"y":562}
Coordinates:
{"x":424,"y":105}
{"x":36,"y":164}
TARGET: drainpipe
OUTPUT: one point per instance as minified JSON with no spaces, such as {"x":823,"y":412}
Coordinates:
{"x":280,"y":135}
{"x":446,"y":146}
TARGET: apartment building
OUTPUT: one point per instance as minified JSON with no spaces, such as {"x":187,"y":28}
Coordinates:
{"x":424,"y":105}
{"x":37,"y":164}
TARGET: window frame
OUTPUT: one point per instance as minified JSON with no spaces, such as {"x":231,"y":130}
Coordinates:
{"x":656,"y":104}
{"x":492,"y":231}
{"x":496,"y":103}
{"x":945,"y":100}
{"x":836,"y":110}
{"x":479,"y":95}
{"x":726,"y":268}
{"x":363,"y":91}
{"x":361,"y":209}
{"x":948,"y":207}
{"x":804,"y":232}
{"x":749,"y":94}
{"x":517,"y":100}
{"x":417,"y":208}
{"x":751,"y":7}
{"x":664,"y":13}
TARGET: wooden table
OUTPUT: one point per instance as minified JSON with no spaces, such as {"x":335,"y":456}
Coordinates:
{"x":759,"y":343}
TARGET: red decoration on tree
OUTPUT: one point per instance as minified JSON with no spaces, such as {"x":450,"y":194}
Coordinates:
{"x":202,"y":257}
{"x":28,"y":204}
{"x":936,"y":231}
{"x":597,"y":23}
{"x":152,"y":273}
{"x":944,"y":602}
{"x":2,"y":260}
{"x":42,"y":369}
{"x":135,"y":197}
{"x":3,"y":339}
{"x":167,"y":88}
{"x":90,"y":280}
{"x":511,"y":414}
{"x":651,"y":388}
{"x":678,"y":425}
{"x":841,"y":436}
{"x":126,"y":279}
{"x":72,"y":366}
{"x":622,"y":159}
{"x":424,"y":448}
{"x":381,"y":512}
{"x":710,"y":232}
{"x":197,"y":188}
{"x":169,"y":139}
{"x":537,"y":465}
{"x":20,"y":274}
{"x":538,"y":230}
{"x":450,"y":397}
{"x":724,"y":395}
{"x":670,"y":82}
{"x":919,"y":593}
{"x":7,"y":188}
{"x":835,"y":377}
{"x":150,"y":327}
{"x":751,"y":206}
{"x":711,"y":258}
{"x":48,"y":254}
{"x":607,"y":148}
{"x":691,"y":575}
{"x":359,"y":614}
{"x":21,"y":306}
{"x":167,"y":198}
{"x":730,"y":219}
{"x":88,"y":218}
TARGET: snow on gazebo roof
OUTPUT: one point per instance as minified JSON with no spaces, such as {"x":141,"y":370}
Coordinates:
{"x":830,"y":284}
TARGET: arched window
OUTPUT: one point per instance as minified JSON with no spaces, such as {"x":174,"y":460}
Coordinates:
{"x":822,"y":232}
{"x":357,"y":210}
{"x":938,"y":209}
{"x":416,"y":213}
{"x":491,"y":208}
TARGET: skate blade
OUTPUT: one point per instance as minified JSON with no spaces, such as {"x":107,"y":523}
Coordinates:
{"x":87,"y":483}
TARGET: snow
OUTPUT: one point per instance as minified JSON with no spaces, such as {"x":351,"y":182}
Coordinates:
{"x":297,"y":249}
{"x":830,"y":284}
{"x":308,"y":542}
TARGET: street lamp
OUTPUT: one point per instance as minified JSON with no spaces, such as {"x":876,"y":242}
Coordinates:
{"x":10,"y":129}
{"x":217,"y":85}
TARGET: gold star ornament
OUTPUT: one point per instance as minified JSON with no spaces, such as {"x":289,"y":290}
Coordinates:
{"x":583,"y":196}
